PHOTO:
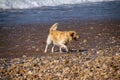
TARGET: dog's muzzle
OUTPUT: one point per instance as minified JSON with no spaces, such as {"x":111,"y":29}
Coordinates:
{"x":76,"y":38}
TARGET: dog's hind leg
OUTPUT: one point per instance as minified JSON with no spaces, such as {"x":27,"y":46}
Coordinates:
{"x":53,"y":48}
{"x":46,"y":48}
{"x":48,"y":42}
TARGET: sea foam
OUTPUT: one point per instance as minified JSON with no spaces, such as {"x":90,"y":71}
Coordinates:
{"x":23,"y":4}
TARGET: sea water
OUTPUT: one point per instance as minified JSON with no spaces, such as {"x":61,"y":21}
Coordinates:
{"x":42,"y":11}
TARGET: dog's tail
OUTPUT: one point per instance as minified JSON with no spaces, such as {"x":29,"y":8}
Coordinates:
{"x":54,"y":26}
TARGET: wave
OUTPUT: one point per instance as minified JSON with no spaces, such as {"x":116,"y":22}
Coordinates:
{"x":23,"y":4}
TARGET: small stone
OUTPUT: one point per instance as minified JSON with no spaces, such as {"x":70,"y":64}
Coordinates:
{"x":117,"y":53}
{"x":35,"y":76}
{"x":79,"y":53}
{"x":22,"y":71}
{"x":58,"y":74}
{"x":85,"y":40}
{"x":37,"y":49}
{"x":65,"y":79}
{"x":29,"y":72}
{"x":91,"y":28}
{"x":99,"y":34}
{"x":17,"y":45}
{"x":100,"y":52}
{"x":24,"y":56}
{"x":66,"y":62}
{"x":33,"y":47}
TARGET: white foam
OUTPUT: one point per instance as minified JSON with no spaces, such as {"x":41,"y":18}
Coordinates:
{"x":23,"y":4}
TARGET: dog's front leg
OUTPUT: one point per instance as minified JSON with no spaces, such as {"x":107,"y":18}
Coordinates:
{"x":60,"y":49}
{"x":66,"y":49}
{"x":63,"y":46}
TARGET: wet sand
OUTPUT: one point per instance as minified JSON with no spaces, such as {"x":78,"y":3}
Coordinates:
{"x":29,"y":39}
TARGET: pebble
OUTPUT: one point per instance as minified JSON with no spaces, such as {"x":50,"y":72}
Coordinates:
{"x":85,"y":40}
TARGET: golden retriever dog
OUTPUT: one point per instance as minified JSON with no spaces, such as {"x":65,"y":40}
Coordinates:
{"x":60,"y":38}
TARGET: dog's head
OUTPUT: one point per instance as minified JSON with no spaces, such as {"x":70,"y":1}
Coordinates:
{"x":74,"y":35}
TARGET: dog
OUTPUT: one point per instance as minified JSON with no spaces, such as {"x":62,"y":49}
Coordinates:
{"x":60,"y":38}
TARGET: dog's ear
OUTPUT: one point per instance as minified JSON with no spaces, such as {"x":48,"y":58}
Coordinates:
{"x":72,"y":34}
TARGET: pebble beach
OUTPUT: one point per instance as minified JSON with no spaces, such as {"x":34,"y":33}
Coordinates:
{"x":95,"y":56}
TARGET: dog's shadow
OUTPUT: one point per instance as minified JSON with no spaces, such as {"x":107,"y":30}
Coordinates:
{"x":72,"y":51}
{"x":75,"y":50}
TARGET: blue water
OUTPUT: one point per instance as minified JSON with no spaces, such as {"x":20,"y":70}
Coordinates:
{"x":84,"y":11}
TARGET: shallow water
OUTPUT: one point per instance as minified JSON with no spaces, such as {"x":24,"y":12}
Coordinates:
{"x":84,"y":11}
